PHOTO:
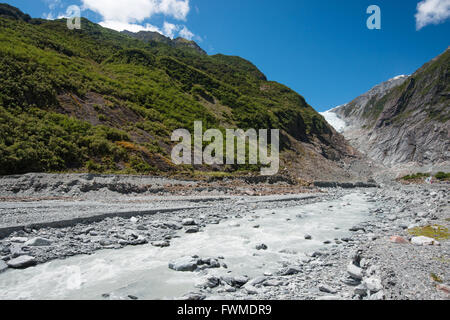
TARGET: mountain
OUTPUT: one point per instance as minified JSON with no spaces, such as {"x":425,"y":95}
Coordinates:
{"x":404,"y":120}
{"x":179,"y":43}
{"x":98,"y":100}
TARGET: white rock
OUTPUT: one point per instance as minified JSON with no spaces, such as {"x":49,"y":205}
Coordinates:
{"x":188,"y":222}
{"x":134,"y":220}
{"x":19,"y":239}
{"x":424,"y":241}
{"x":354,"y":271}
{"x":377,"y":296}
{"x":38,"y":242}
{"x":373,"y":284}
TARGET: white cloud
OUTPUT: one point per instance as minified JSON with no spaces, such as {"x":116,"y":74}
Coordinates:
{"x":170,"y":29}
{"x":137,"y":10}
{"x":432,"y":12}
{"x":129,"y":15}
{"x":121,"y":26}
{"x":185,"y":33}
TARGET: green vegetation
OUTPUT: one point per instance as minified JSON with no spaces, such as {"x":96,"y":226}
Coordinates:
{"x":416,"y":176}
{"x":442,"y":176}
{"x":67,"y":97}
{"x":436,"y":278}
{"x":436,"y":232}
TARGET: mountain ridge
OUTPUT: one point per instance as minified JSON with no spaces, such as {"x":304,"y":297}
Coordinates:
{"x":404,"y":120}
{"x":98,"y":100}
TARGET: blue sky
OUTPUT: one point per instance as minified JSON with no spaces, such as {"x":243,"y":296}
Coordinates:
{"x":321,"y":49}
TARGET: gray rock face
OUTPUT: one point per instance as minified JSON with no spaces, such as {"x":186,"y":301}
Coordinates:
{"x":404,"y":120}
{"x":22,"y":262}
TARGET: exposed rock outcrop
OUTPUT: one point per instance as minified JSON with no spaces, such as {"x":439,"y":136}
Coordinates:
{"x":404,"y":120}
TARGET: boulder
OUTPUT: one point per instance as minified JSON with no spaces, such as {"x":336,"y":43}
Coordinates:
{"x":161,"y":244}
{"x":38,"y":242}
{"x":22,"y":262}
{"x":424,"y":241}
{"x":361,"y":290}
{"x":19,"y":239}
{"x":355,"y":272}
{"x":326,"y":289}
{"x":185,"y":264}
{"x":373,"y":284}
{"x":188,"y":222}
{"x":192,"y":230}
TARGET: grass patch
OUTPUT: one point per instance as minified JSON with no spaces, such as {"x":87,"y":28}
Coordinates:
{"x":416,"y":176}
{"x":442,"y":176}
{"x":436,"y":232}
{"x":436,"y":278}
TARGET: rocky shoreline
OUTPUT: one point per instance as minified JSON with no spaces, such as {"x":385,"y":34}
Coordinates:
{"x":384,"y":258}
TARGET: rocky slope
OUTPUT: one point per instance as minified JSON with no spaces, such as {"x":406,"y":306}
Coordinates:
{"x":404,"y":120}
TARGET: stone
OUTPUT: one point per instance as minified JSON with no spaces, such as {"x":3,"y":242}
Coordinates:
{"x":424,"y":241}
{"x":19,"y":239}
{"x":272,"y":283}
{"x":354,"y":271}
{"x":373,"y":284}
{"x":38,"y":242}
{"x":191,"y":230}
{"x":16,"y":250}
{"x":326,"y":289}
{"x":3,"y":266}
{"x":289,"y":271}
{"x":188,"y":222}
{"x":377,"y":296}
{"x":240,"y":281}
{"x":361,"y":290}
{"x":257,"y":281}
{"x":173,"y":225}
{"x":193,"y":297}
{"x":261,"y":246}
{"x":161,"y":244}
{"x":350,"y":281}
{"x":184,"y":264}
{"x":22,"y":262}
{"x":399,"y":240}
{"x":134,"y":220}
{"x":250,"y":290}
{"x":212,"y":282}
{"x":308,"y":237}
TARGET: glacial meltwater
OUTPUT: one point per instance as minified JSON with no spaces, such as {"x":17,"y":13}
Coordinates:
{"x":143,"y":271}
